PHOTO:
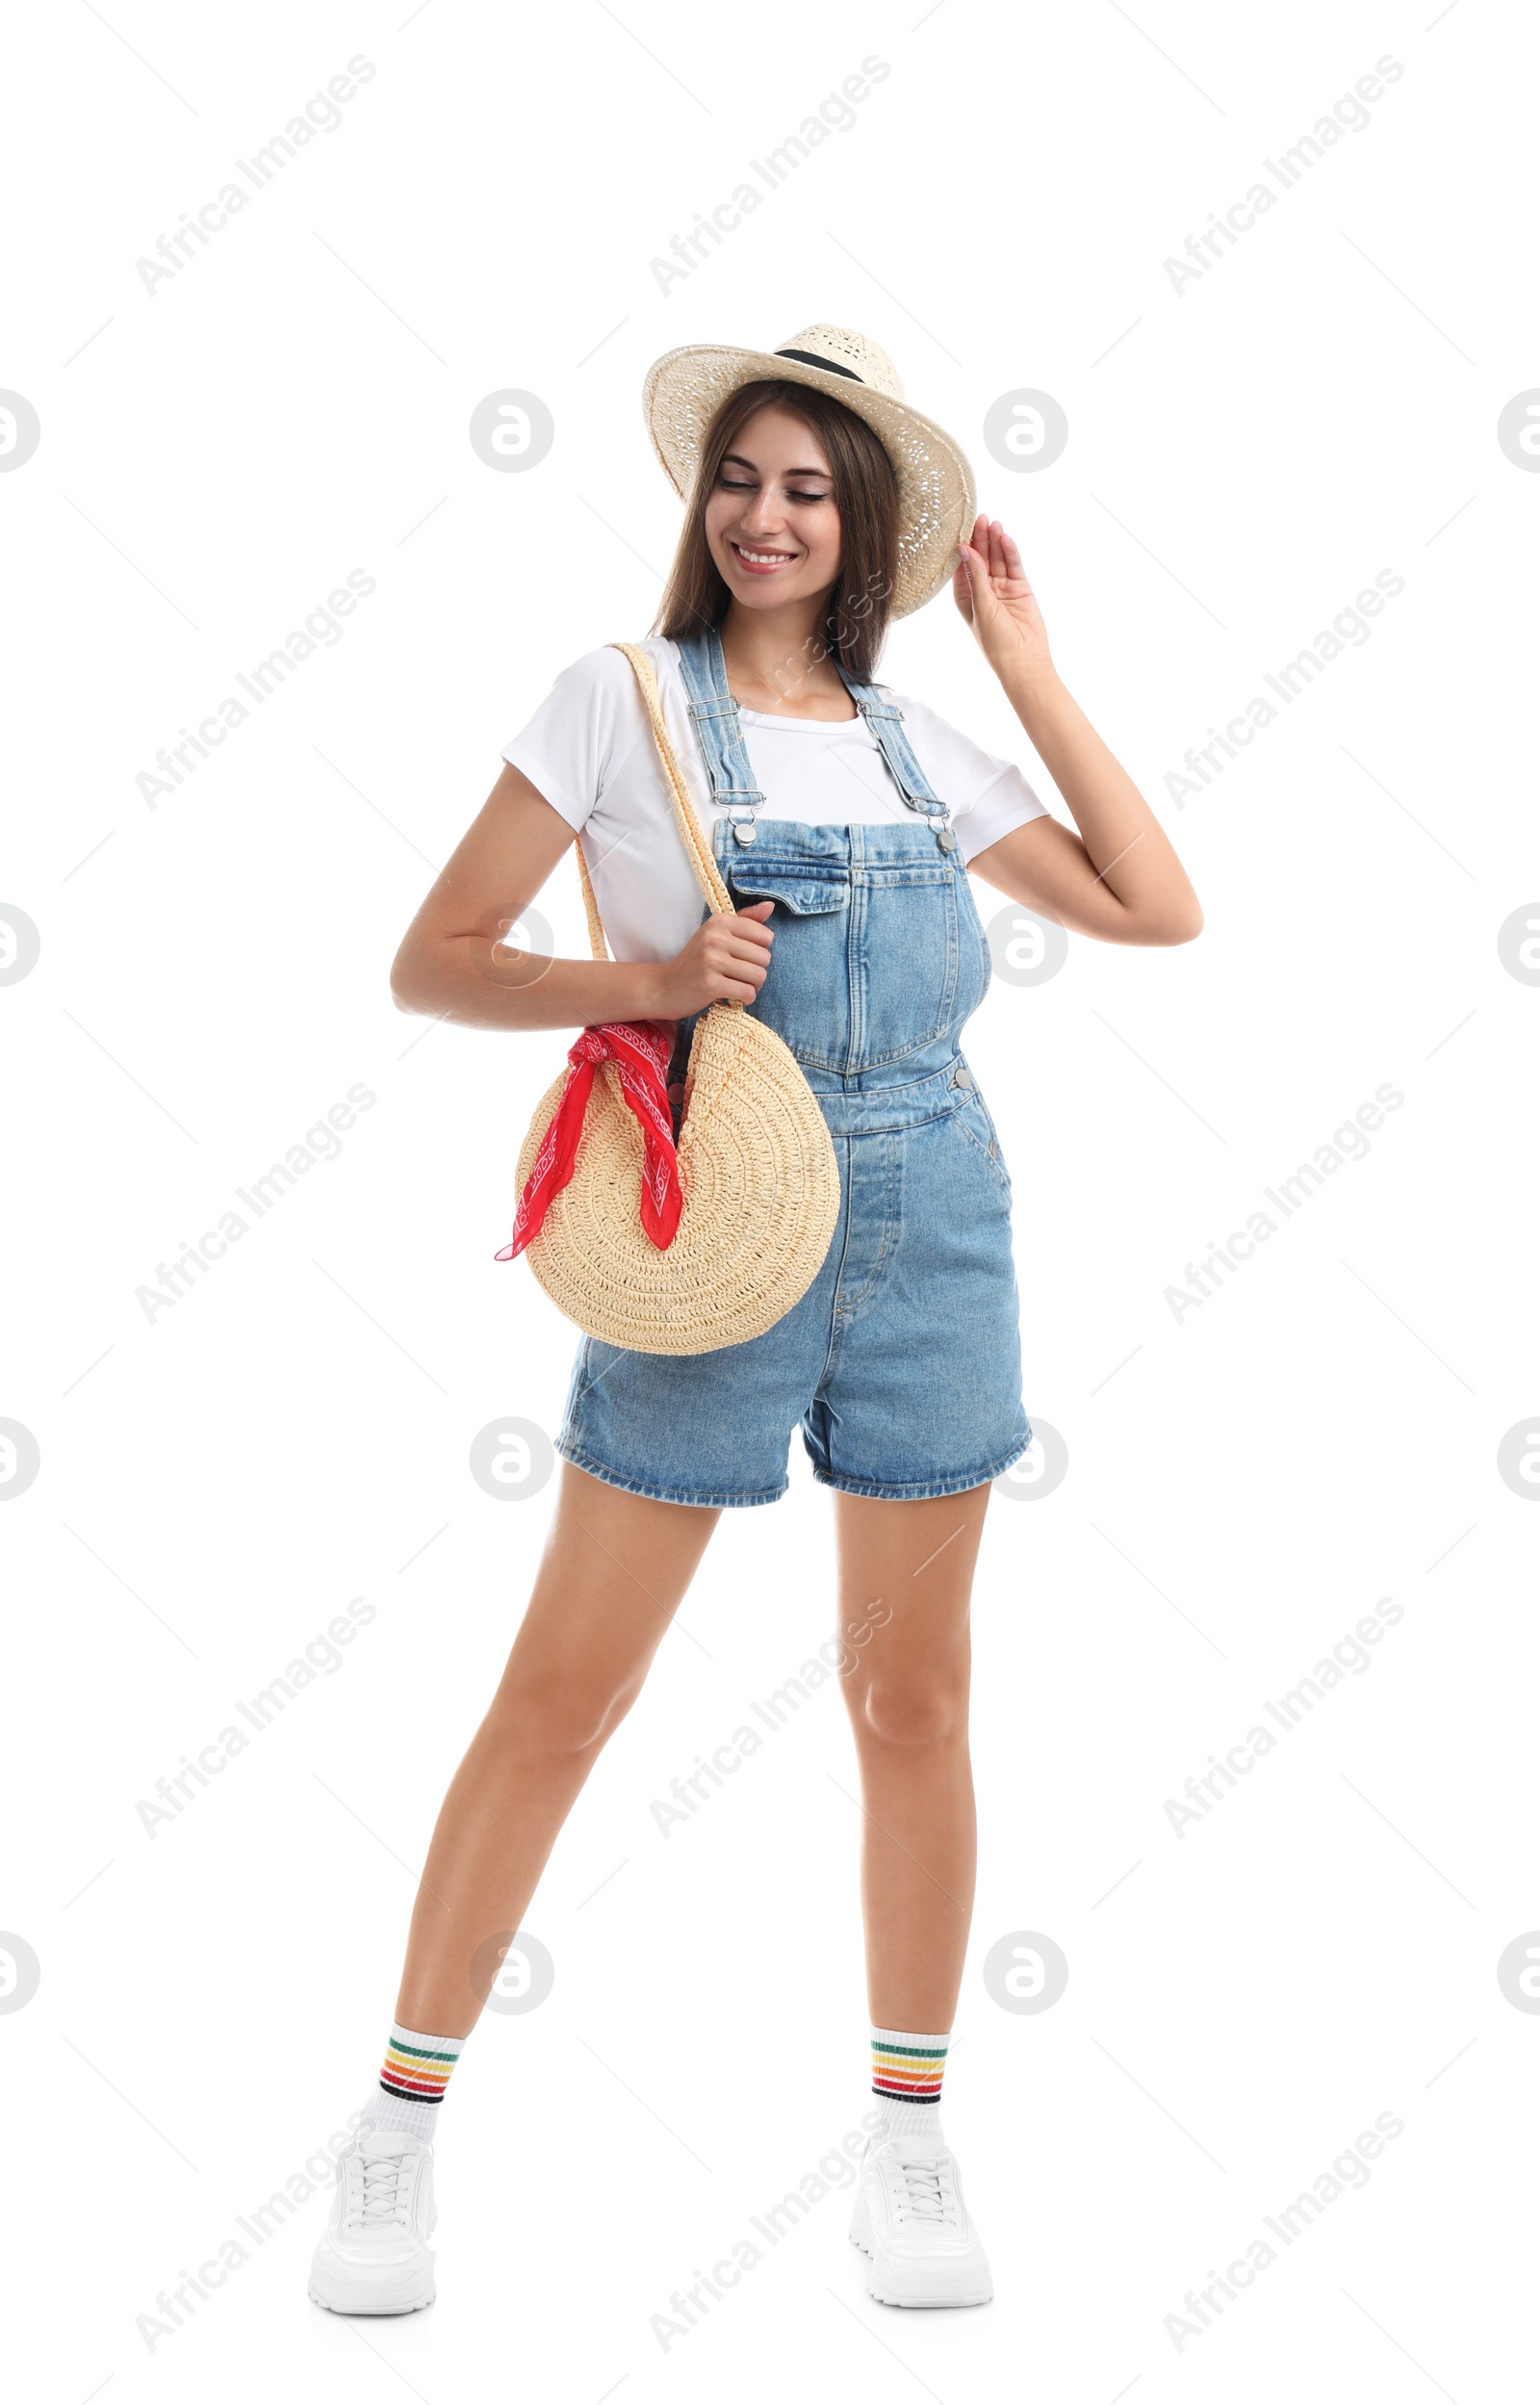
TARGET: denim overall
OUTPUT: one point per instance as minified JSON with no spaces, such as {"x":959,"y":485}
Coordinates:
{"x":902,"y":1360}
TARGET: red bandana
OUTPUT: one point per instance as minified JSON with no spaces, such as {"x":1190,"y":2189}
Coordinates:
{"x":640,"y":1050}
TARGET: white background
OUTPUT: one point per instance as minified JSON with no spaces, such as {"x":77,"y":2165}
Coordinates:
{"x":1243,"y":1484}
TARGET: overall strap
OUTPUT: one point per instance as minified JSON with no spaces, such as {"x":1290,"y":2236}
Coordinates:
{"x":716,"y":721}
{"x":715,"y":717}
{"x":885,"y":721}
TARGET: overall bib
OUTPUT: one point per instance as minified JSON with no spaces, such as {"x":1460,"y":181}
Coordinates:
{"x":902,"y":1360}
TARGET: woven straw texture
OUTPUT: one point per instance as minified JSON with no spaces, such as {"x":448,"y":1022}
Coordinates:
{"x":685,"y":387}
{"x":756,"y":1165}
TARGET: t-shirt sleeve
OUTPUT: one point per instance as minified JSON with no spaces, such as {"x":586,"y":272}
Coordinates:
{"x":987,"y":796}
{"x":580,"y":734}
{"x":1006,"y":803}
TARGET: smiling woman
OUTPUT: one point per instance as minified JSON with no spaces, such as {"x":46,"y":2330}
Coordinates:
{"x":840,"y":821}
{"x":805,"y":505}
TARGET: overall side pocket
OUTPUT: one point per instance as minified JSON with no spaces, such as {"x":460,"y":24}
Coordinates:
{"x":980,"y":1130}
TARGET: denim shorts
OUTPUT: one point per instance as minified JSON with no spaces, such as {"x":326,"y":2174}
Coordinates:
{"x":902,"y":1361}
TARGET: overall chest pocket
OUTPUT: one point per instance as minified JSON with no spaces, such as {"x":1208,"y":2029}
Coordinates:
{"x":906,"y":942}
{"x":806,"y":997}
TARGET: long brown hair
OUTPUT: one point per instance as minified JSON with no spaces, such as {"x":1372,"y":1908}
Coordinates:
{"x":865,"y":492}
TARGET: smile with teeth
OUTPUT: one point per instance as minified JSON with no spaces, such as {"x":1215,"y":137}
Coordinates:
{"x":762,"y":562}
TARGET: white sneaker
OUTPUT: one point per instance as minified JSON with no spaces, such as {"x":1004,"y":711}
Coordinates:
{"x":910,"y":2217}
{"x":374,"y":2257}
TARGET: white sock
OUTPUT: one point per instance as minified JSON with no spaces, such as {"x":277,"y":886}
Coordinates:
{"x":907,"y":2067}
{"x":412,"y":2081}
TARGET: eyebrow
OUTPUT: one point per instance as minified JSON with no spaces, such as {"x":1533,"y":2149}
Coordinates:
{"x":738,"y":462}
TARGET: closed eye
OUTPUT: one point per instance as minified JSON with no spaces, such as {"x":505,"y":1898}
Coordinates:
{"x":736,"y":484}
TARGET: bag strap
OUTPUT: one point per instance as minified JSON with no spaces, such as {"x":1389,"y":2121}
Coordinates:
{"x":697,"y":849}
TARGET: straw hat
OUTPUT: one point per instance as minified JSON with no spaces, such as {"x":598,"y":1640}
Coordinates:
{"x":684,"y":389}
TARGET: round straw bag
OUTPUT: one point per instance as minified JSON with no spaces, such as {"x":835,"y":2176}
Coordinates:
{"x":758,"y":1170}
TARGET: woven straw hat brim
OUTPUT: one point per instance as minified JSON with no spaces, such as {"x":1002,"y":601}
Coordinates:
{"x":762,"y":1198}
{"x":684,"y":389}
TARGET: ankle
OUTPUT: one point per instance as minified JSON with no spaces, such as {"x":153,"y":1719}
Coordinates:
{"x":413,"y":2079}
{"x":902,"y":2119}
{"x":907,"y":2068}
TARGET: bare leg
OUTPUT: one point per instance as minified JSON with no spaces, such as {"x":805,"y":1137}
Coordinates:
{"x":614,"y":1573}
{"x":906,"y":1692}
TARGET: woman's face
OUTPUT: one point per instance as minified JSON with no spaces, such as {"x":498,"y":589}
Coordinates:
{"x":771,"y":524}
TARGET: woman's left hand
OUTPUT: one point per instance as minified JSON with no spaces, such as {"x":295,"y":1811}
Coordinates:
{"x":990,"y":589}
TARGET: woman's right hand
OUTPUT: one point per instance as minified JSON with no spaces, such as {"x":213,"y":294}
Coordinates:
{"x":725,"y":960}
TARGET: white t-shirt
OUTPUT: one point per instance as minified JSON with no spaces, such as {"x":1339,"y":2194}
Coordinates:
{"x":589,"y":752}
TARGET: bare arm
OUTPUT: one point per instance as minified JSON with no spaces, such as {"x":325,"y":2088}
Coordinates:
{"x":452,"y":963}
{"x":1118,"y":879}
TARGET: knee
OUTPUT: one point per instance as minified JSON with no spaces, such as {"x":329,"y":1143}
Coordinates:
{"x":898,"y":1712}
{"x":551,"y":1716}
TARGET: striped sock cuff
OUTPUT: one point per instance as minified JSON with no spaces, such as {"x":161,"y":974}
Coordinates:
{"x":417,"y":2067}
{"x":909,"y":2064}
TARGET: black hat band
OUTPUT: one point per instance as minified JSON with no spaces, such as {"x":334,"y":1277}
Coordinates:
{"x":810,"y":359}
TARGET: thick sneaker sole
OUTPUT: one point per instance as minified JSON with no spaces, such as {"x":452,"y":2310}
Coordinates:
{"x":338,"y":2296}
{"x":928,"y":2284}
{"x":330,"y":2305}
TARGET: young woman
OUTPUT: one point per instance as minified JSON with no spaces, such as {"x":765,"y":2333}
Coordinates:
{"x":843,"y":822}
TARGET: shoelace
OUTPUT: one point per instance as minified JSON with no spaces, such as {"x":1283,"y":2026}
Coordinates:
{"x":378,"y":2192}
{"x":925,"y":2199}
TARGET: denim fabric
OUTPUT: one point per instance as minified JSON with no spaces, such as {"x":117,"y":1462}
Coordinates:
{"x":714,"y":714}
{"x":902,"y":1360}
